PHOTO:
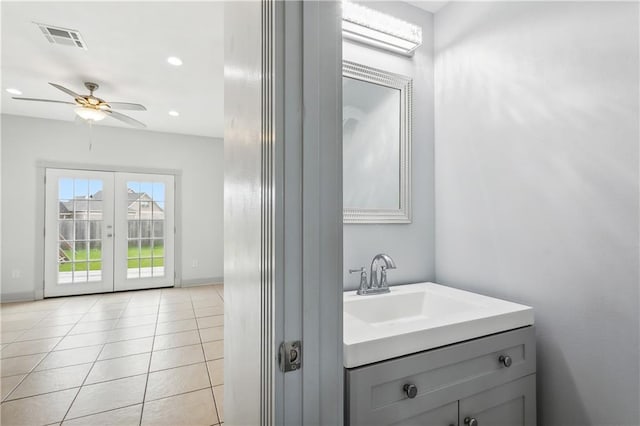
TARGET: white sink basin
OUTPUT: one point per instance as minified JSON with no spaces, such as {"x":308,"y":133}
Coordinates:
{"x":417,"y":317}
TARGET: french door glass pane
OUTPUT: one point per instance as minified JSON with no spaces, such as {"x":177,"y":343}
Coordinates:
{"x":145,"y":217}
{"x":80,"y":222}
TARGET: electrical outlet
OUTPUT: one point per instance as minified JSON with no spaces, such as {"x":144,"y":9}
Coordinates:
{"x":194,"y":263}
{"x":16,"y":273}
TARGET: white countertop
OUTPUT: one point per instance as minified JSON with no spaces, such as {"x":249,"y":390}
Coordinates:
{"x":417,"y":317}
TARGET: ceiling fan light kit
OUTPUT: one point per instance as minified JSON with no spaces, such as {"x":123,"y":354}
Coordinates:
{"x":90,"y":114}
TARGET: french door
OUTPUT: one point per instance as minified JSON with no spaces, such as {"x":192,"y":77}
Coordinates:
{"x":107,"y":231}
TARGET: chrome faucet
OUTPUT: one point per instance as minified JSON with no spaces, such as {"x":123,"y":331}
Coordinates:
{"x":374,"y":286}
{"x":373,"y":277}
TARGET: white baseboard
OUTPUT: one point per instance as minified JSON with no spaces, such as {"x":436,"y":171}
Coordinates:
{"x":27,"y":296}
{"x":194,"y":282}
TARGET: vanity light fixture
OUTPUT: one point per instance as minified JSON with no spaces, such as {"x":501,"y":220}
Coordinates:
{"x":365,"y":25}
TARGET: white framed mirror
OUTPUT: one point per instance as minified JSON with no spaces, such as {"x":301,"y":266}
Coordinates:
{"x":376,"y":124}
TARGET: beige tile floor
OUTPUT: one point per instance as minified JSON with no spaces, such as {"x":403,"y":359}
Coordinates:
{"x":150,"y":357}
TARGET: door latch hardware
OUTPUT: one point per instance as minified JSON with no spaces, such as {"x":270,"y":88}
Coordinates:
{"x":290,"y":356}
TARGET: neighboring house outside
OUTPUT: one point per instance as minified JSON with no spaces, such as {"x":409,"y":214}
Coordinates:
{"x":141,"y":207}
{"x":81,"y":218}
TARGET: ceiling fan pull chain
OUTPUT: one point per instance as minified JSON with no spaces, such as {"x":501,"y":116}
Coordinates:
{"x":90,"y":135}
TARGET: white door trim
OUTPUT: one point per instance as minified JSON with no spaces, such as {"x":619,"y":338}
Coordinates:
{"x":106,"y":168}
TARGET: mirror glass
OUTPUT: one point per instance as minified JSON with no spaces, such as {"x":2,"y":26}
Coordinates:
{"x":371,"y":145}
{"x":376,"y":132}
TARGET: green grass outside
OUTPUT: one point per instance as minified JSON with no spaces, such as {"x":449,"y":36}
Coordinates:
{"x":96,"y":254}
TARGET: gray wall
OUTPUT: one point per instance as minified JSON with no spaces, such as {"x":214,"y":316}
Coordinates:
{"x":26,"y":141}
{"x":410,"y":245}
{"x":537,"y":187}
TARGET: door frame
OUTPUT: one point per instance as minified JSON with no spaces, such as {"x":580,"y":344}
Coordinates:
{"x":283,"y":228}
{"x":40,"y":174}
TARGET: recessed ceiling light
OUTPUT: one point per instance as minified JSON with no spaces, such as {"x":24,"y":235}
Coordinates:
{"x":174,"y":113}
{"x":14,"y":91}
{"x":174,"y":60}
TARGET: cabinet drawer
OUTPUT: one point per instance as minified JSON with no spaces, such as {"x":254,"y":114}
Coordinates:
{"x":376,"y":395}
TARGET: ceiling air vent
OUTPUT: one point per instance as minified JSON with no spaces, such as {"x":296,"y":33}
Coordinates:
{"x":65,"y":36}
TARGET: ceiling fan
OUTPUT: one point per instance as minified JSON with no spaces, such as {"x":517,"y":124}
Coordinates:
{"x":92,"y":108}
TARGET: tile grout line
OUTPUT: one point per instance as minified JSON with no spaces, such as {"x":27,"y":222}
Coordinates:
{"x":146,"y":383}
{"x":206,"y":364}
{"x":179,"y":394}
{"x":73,"y":324}
{"x":77,"y":387}
{"x":108,"y":342}
{"x":13,"y":331}
{"x":105,"y":411}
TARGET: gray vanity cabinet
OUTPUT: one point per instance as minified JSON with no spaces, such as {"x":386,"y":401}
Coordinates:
{"x":488,"y":381}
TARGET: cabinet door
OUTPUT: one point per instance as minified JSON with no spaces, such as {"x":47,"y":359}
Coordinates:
{"x":511,"y":404}
{"x":443,"y":416}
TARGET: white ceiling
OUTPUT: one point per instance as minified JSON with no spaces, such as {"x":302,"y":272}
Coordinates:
{"x":128,"y":44}
{"x":429,"y":6}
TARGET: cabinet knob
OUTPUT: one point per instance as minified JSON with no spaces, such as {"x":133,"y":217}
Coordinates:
{"x":471,"y":421}
{"x":505,"y":360}
{"x":410,"y":390}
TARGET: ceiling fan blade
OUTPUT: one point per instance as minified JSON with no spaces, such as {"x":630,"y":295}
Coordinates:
{"x":125,"y":118}
{"x":126,"y":105}
{"x":65,"y":90}
{"x":44,"y":100}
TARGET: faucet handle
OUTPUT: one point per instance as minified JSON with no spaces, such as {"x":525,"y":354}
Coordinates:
{"x":363,"y":278}
{"x":383,"y":277}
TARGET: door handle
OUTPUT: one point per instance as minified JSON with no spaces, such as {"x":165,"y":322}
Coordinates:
{"x":471,"y":421}
{"x":109,"y":235}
